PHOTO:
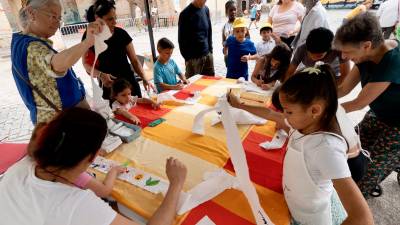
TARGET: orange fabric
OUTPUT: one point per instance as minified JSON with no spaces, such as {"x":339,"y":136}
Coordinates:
{"x":204,"y":147}
{"x":217,"y":213}
{"x":208,"y":100}
{"x":202,"y":154}
{"x":273,"y":203}
{"x":205,"y":82}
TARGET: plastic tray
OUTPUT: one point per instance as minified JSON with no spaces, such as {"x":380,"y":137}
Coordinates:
{"x":130,"y":138}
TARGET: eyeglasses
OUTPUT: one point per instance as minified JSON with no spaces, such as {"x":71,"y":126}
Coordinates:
{"x":52,"y":16}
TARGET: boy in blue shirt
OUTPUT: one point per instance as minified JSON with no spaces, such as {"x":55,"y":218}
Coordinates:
{"x":165,"y":68}
{"x":240,"y":50}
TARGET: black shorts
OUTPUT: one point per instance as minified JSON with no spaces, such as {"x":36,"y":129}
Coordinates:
{"x":252,"y":19}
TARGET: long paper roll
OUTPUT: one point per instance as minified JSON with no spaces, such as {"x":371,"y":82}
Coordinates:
{"x":238,"y":159}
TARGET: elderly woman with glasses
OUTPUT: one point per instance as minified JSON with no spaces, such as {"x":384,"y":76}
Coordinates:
{"x":44,"y":77}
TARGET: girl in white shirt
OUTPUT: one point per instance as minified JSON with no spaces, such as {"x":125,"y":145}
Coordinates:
{"x":41,"y":190}
{"x":315,"y":170}
{"x":123,"y":101}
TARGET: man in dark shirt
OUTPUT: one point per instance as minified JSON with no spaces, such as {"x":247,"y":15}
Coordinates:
{"x":195,"y":39}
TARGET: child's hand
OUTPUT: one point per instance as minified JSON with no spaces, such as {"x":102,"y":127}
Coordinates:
{"x":245,"y":58}
{"x":266,"y":86}
{"x":118,"y":169}
{"x":276,"y":37}
{"x":186,"y":81}
{"x":107,"y":79}
{"x":233,"y":100}
{"x":155,"y":105}
{"x":259,"y":83}
{"x":176,"y":172}
{"x":179,"y":86}
{"x":135,"y":120}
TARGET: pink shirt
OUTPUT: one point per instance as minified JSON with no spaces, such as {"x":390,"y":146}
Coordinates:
{"x":285,"y":22}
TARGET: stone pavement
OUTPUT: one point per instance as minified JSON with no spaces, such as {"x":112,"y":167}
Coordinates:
{"x":15,"y":125}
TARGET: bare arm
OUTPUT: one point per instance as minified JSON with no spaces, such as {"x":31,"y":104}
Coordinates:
{"x":183,"y":78}
{"x":354,"y":202}
{"x":223,"y":36}
{"x":165,"y":86}
{"x":269,"y":20}
{"x":259,"y":66}
{"x":344,"y":71}
{"x":127,"y":115}
{"x":148,"y":101}
{"x":259,"y":111}
{"x":292,"y":68}
{"x":103,"y":189}
{"x":164,"y":215}
{"x":348,"y":84}
{"x":367,"y":95}
{"x":65,"y":59}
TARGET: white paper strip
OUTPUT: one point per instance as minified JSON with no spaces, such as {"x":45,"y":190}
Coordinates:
{"x":238,"y":159}
{"x":242,"y":117}
{"x":99,"y":104}
{"x":214,"y":184}
{"x":277,"y":141}
{"x":205,"y":221}
{"x":239,"y":162}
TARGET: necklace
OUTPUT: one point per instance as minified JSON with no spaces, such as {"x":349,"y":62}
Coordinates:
{"x":60,"y":177}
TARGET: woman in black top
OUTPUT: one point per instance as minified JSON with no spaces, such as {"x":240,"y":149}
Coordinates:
{"x":113,"y":63}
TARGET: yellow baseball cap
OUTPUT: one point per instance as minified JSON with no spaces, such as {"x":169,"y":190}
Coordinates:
{"x":266,"y":25}
{"x":239,"y":22}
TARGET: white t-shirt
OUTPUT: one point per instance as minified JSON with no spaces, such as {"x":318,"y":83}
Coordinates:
{"x":26,"y":199}
{"x":285,"y":22}
{"x":325,"y":158}
{"x":132,"y":102}
{"x":228,"y":29}
{"x":265,"y":47}
{"x":317,"y":17}
{"x":388,"y":13}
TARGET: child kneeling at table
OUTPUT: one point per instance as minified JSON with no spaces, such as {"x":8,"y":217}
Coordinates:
{"x":123,"y":101}
{"x":165,"y":68}
{"x":84,"y":180}
{"x":240,"y":50}
{"x":317,"y":182}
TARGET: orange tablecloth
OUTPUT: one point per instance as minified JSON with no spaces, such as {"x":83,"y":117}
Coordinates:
{"x":202,"y":154}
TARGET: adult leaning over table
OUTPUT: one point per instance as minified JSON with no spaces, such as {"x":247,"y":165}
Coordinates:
{"x":40,"y":188}
{"x":113,"y":62}
{"x":377,"y":67}
{"x":44,"y":77}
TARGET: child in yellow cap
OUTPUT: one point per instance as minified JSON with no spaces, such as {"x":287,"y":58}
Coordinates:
{"x":269,"y":40}
{"x":240,"y":49}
